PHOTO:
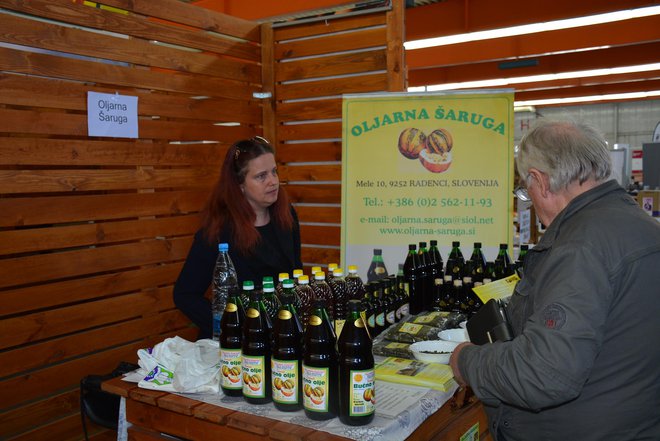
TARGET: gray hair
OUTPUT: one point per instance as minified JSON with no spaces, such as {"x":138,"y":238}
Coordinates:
{"x":566,"y":152}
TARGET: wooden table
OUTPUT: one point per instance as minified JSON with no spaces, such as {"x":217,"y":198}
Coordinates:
{"x":154,"y":413}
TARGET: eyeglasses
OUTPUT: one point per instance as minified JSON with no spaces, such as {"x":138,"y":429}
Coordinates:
{"x":521,"y":191}
{"x":256,"y":138}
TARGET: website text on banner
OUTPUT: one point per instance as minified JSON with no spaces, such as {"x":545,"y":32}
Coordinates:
{"x":418,"y":167}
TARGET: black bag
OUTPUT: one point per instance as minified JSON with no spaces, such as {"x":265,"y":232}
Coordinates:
{"x":489,"y":324}
{"x":101,"y":407}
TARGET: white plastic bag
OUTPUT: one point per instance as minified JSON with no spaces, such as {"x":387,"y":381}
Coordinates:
{"x":178,"y":365}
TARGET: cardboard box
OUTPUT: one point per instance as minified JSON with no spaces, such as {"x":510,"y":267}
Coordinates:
{"x":649,"y":200}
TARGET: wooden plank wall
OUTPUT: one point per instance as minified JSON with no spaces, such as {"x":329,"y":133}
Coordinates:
{"x":314,"y":64}
{"x":93,"y":231}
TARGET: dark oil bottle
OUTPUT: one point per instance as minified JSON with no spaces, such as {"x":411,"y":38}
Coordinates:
{"x":377,"y":268}
{"x":340,"y":298}
{"x":331,"y":269}
{"x":425,"y":272}
{"x":305,"y":294}
{"x":370,"y":310}
{"x":520,"y":263}
{"x":404,"y":303}
{"x":436,"y":259}
{"x":286,"y":361}
{"x":446,"y":299}
{"x":354,"y":283}
{"x":320,"y":379}
{"x":280,"y":278}
{"x":357,"y":379}
{"x":379,"y":307}
{"x":478,"y":263}
{"x":323,"y":292}
{"x":503,"y":265}
{"x":256,"y":352}
{"x":271,"y":302}
{"x":467,"y":303}
{"x":412,"y":280}
{"x":456,"y":295}
{"x":231,"y":336}
{"x":389,"y":298}
{"x":455,"y":261}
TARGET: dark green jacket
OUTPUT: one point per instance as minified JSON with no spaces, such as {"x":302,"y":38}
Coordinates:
{"x":585,"y":361}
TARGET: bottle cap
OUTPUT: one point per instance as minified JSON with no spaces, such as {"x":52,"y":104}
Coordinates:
{"x":297,"y":273}
{"x":456,"y":244}
{"x":504,"y":246}
{"x":223,"y":247}
{"x":338,"y":272}
{"x":303,"y":280}
{"x":282,"y":276}
{"x":315,"y":269}
{"x":448,"y":278}
{"x":434,"y":242}
{"x":458,"y":282}
{"x":287,"y":283}
{"x":378,"y":251}
{"x":248,"y":285}
{"x":269,"y":287}
{"x":355,"y":305}
{"x":422,"y":244}
{"x":524,"y":246}
{"x":477,"y":244}
{"x":412,"y":247}
{"x":352,"y":269}
{"x":332,"y":266}
{"x":319,"y":275}
{"x":266,"y":279}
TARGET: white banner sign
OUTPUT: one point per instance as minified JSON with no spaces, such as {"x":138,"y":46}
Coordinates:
{"x":112,"y":115}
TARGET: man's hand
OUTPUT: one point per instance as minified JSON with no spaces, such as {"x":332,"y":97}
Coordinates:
{"x":453,"y":363}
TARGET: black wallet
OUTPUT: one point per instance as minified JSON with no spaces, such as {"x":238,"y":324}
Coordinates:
{"x":489,"y":324}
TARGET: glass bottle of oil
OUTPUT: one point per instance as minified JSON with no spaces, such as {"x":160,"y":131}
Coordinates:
{"x":255,"y":360}
{"x":286,"y":361}
{"x":320,"y":383}
{"x":231,"y":336}
{"x":356,"y":370}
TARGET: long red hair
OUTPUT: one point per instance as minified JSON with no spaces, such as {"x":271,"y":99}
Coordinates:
{"x":228,"y":208}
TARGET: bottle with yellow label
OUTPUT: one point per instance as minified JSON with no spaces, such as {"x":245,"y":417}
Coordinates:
{"x":320,"y":394}
{"x":255,"y":360}
{"x":286,"y":361}
{"x":231,"y":379}
{"x":357,"y":380}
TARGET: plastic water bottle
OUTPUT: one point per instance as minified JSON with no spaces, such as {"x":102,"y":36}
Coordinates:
{"x":225,"y":284}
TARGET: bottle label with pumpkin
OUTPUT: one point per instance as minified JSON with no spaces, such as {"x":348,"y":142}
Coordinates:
{"x":253,"y":376}
{"x":285,"y":381}
{"x":362,"y":392}
{"x":315,"y":388}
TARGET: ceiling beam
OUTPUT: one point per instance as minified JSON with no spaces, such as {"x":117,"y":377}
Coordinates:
{"x":594,"y":89}
{"x":626,"y":32}
{"x":460,"y":16}
{"x":570,"y":62}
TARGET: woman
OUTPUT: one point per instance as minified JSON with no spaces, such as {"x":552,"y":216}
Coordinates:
{"x":249,"y":211}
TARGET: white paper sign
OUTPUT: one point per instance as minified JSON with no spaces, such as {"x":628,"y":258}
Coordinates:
{"x":112,"y":115}
{"x":525,"y":224}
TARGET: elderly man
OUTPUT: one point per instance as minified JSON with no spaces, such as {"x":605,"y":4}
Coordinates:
{"x":585,"y":360}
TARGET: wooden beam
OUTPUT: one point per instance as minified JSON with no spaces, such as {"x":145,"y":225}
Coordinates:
{"x":461,"y":16}
{"x":646,"y":29}
{"x":594,"y":89}
{"x":603,"y":58}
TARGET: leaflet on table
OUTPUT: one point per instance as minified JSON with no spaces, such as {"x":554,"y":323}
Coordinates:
{"x":498,"y":290}
{"x":394,"y":399}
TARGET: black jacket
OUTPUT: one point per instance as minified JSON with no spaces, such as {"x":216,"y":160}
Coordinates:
{"x":279,"y":251}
